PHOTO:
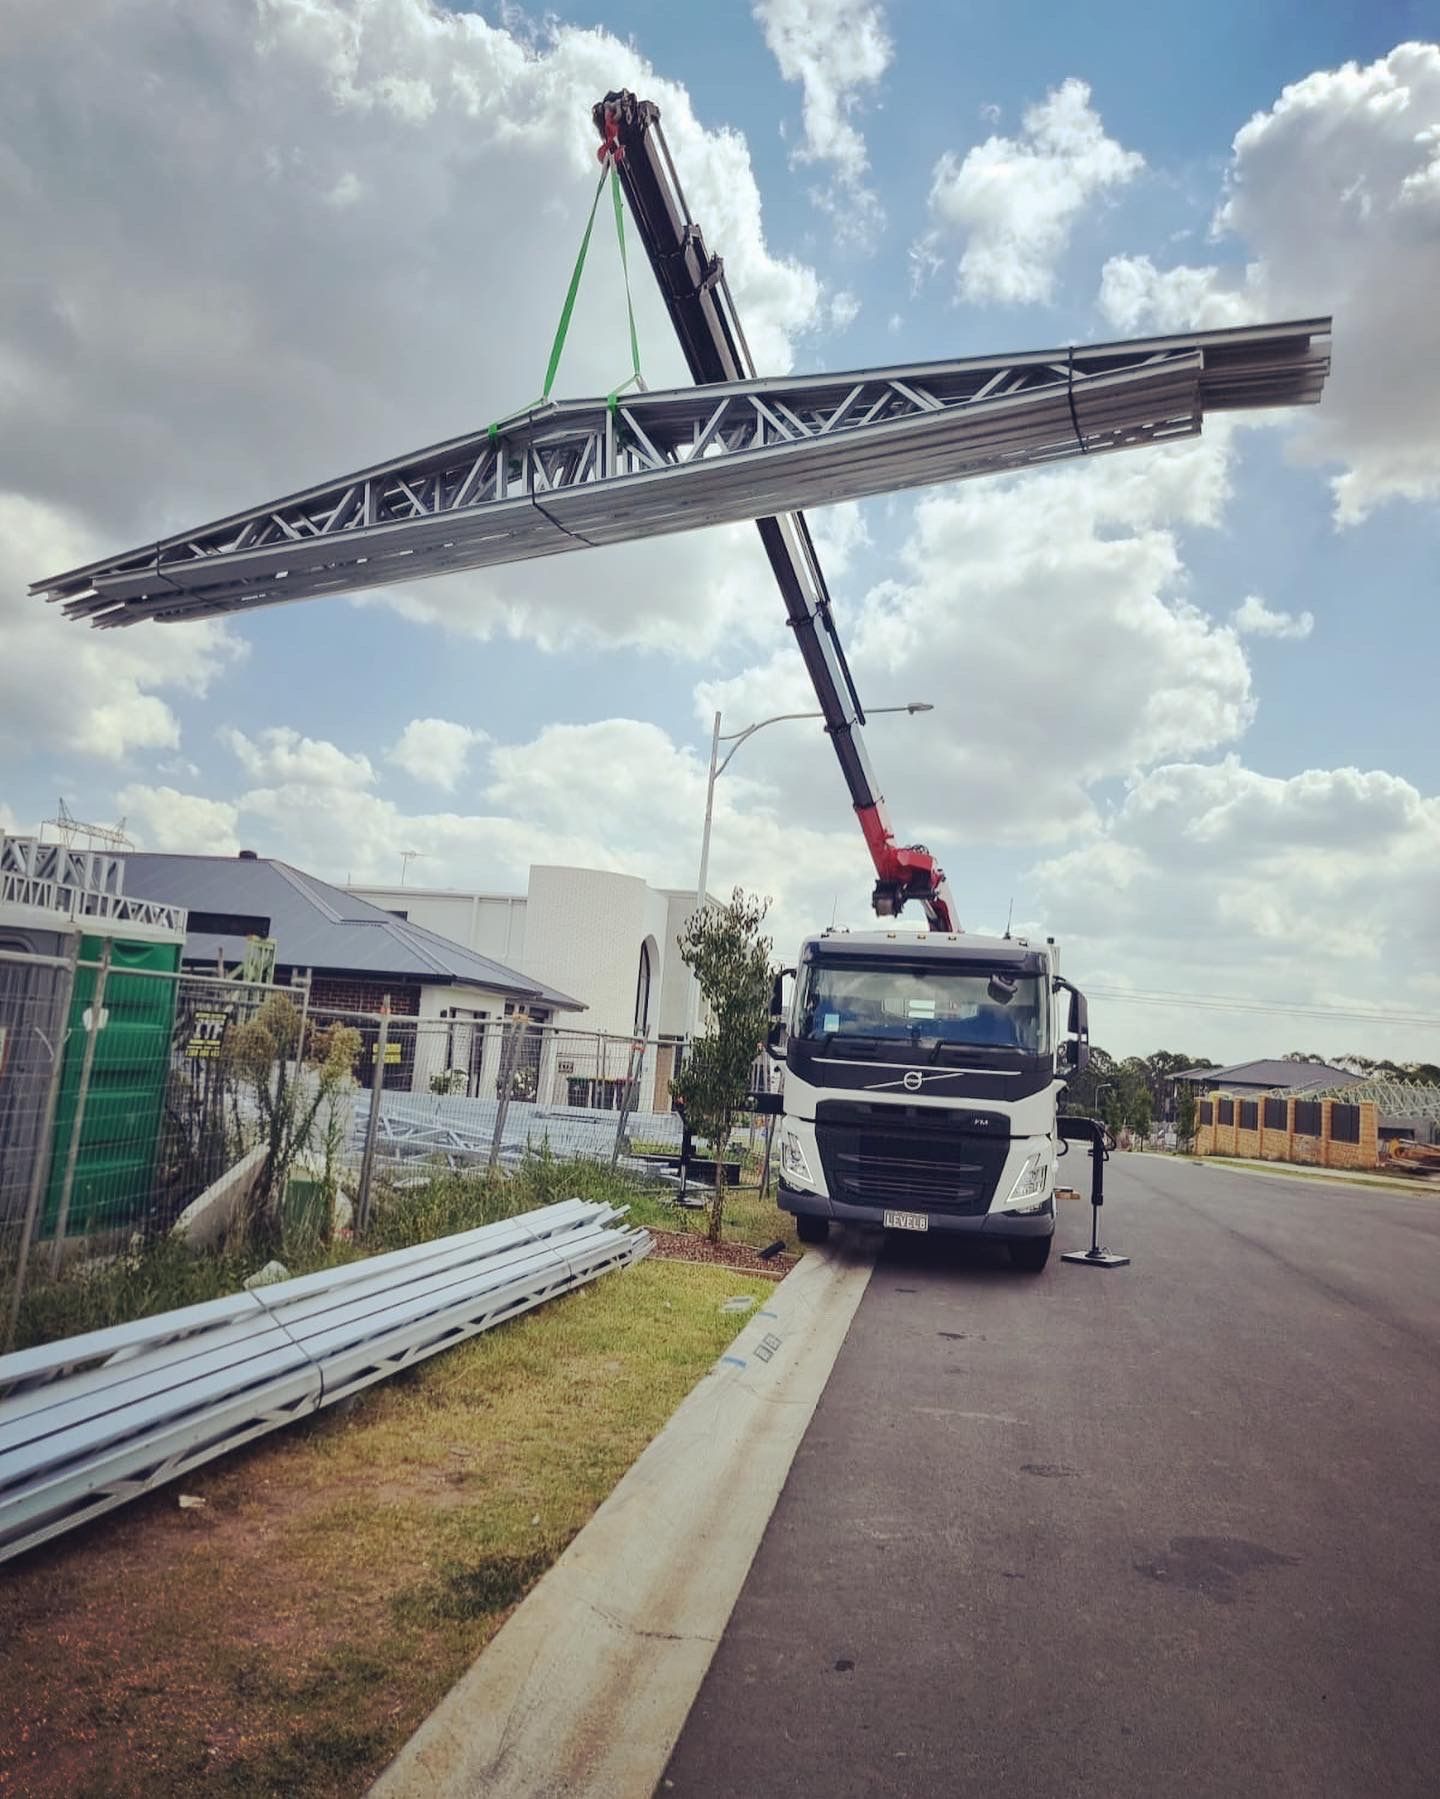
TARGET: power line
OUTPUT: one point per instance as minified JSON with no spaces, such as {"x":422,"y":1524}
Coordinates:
{"x":1217,"y":1002}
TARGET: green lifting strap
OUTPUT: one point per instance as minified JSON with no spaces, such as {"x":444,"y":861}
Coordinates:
{"x":629,"y":303}
{"x":567,"y":312}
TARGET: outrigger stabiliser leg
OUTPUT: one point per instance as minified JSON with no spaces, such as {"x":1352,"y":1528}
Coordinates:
{"x":1090,"y":1130}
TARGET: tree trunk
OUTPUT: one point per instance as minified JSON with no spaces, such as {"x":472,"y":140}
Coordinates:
{"x":717,"y":1204}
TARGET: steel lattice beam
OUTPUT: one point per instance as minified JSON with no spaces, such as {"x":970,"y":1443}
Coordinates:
{"x":580,"y":473}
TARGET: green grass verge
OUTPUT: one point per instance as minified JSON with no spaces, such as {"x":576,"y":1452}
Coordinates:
{"x":289,"y":1635}
{"x":1290,"y":1171}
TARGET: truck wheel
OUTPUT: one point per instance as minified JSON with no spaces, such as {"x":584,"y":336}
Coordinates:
{"x":1030,"y":1254}
{"x":811,"y":1230}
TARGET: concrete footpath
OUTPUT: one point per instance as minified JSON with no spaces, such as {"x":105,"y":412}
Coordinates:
{"x":585,"y":1689}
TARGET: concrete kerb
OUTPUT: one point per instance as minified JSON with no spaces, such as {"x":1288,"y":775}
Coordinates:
{"x":585,"y":1689}
{"x":1297,"y":1171}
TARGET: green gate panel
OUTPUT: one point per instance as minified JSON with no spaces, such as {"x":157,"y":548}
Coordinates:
{"x":115,"y":1162}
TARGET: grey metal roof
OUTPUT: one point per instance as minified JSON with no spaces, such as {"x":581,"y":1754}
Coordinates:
{"x":319,"y":926}
{"x":1270,"y":1072}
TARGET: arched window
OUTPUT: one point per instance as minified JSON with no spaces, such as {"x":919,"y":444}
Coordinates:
{"x":642,"y":991}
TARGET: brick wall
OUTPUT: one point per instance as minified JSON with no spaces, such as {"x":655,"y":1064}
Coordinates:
{"x":1272,"y":1143}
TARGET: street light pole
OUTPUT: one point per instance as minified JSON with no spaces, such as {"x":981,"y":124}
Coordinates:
{"x":717,"y":768}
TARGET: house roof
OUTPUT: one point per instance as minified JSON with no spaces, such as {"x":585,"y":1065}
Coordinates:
{"x":1269,"y":1072}
{"x":319,"y":926}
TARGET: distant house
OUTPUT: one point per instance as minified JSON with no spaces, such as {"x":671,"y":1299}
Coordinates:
{"x":1265,"y":1076}
{"x":609,"y":938}
{"x":355,"y":955}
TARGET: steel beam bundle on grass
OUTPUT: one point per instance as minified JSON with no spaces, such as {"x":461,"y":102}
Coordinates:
{"x":90,"y":1422}
{"x":577,"y":473}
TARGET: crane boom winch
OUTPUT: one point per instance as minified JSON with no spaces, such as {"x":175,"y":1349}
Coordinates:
{"x":696,"y":294}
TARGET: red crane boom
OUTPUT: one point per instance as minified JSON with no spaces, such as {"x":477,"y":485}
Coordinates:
{"x":697,"y":296}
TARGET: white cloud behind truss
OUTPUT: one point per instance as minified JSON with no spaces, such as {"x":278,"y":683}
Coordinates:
{"x":1333,"y":198}
{"x":836,"y":50}
{"x":1005,"y":210}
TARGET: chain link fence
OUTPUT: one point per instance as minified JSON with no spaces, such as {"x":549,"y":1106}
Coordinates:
{"x":138,"y":1105}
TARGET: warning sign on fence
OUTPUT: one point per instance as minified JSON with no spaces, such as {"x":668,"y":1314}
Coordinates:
{"x":207,"y":1032}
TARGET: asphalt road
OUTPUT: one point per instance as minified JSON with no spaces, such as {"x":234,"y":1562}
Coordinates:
{"x":1165,"y":1529}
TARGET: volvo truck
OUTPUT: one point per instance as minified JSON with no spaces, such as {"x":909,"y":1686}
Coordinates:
{"x":921,"y":1072}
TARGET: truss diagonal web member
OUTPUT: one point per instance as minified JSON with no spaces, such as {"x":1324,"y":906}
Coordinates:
{"x":574,"y":473}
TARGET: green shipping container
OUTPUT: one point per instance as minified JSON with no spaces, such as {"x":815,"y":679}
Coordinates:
{"x":115,"y":1163}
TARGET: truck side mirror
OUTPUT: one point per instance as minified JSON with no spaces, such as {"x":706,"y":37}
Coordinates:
{"x":1079,"y":1016}
{"x":777,"y":1037}
{"x":1077,"y":1050}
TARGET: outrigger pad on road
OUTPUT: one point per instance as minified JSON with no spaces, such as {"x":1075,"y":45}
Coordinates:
{"x":1075,"y":1129}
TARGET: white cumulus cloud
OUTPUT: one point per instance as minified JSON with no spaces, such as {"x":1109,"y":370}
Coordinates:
{"x":1253,"y":618}
{"x":1213,"y":878}
{"x":289,"y":268}
{"x":65,"y":688}
{"x":435,"y":750}
{"x":835,"y":49}
{"x":1048,"y":619}
{"x":283,"y":754}
{"x":1011,"y":203}
{"x":1332,"y":199}
{"x":186,"y":824}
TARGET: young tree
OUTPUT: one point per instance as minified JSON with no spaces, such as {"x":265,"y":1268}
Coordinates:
{"x":267,"y":1053}
{"x":730,"y":960}
{"x":1186,"y":1113}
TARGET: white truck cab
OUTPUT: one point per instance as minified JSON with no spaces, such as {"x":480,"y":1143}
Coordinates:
{"x":921,"y":1075}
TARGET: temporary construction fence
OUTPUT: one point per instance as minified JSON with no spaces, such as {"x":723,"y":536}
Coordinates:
{"x":120,"y":1101}
{"x":90,"y":1422}
{"x":487,"y":1092}
{"x":138,"y":1101}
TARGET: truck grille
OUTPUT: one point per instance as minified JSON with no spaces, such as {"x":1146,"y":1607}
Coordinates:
{"x":929,"y":1167}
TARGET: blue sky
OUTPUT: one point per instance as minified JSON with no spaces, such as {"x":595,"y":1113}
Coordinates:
{"x":263,"y":248}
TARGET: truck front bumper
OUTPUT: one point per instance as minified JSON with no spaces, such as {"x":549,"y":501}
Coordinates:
{"x":999,"y":1224}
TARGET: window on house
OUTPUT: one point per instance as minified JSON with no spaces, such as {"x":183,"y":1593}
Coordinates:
{"x":229,"y":924}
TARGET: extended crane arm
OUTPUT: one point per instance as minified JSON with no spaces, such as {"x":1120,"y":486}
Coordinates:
{"x":693,"y":286}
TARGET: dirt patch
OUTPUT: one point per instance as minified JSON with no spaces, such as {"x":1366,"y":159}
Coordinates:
{"x":288,"y":1635}
{"x":680,"y":1246}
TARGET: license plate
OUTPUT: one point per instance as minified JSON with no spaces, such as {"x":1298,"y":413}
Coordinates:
{"x":906,"y":1221}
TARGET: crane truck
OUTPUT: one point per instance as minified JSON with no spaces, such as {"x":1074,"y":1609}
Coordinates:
{"x":922,"y":1066}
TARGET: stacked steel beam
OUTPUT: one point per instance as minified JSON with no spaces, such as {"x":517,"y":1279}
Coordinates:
{"x":564,"y":476}
{"x":90,"y":1422}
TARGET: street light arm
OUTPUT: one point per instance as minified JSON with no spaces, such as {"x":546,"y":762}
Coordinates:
{"x":736,"y":738}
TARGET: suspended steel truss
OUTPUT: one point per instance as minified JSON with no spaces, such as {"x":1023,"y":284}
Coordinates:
{"x":578,"y":473}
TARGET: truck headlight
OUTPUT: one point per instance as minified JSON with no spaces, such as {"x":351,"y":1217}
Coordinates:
{"x":1031,"y":1181}
{"x":792,"y":1158}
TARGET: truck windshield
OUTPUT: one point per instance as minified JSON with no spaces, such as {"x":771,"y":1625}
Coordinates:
{"x":923,"y":1006}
